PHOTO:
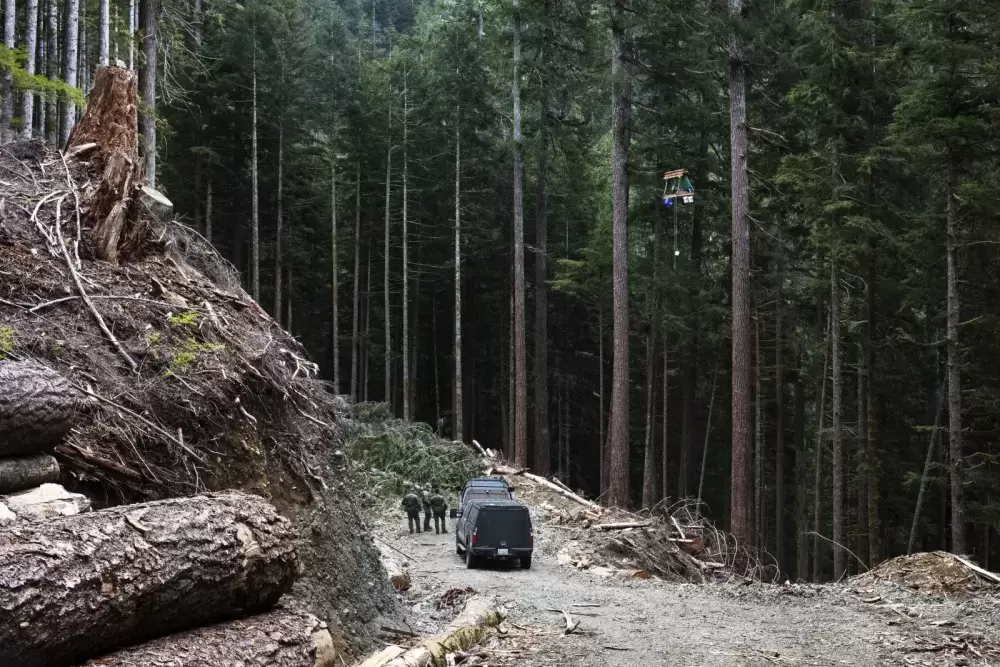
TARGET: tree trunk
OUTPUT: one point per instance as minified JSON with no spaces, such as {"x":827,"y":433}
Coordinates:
{"x":278,"y":638}
{"x":621,"y":106}
{"x":31,"y":46}
{"x":335,"y":333}
{"x":862,"y":482}
{"x":541,"y":362}
{"x":125,"y":574}
{"x":456,"y":416}
{"x":928,"y":462}
{"x":42,"y":67}
{"x":279,"y":230}
{"x":405,"y":340}
{"x":740,"y":511}
{"x":801,"y":508}
{"x":956,"y":465}
{"x":70,"y":46}
{"x":208,"y":210}
{"x":434,"y":358}
{"x":838,"y":430}
{"x":52,"y":71}
{"x":103,"y":41}
{"x":689,"y":431}
{"x":7,"y":87}
{"x":355,"y":305}
{"x":385,"y":276}
{"x":132,"y":28}
{"x":366,"y":358}
{"x":83,"y":51}
{"x":520,"y":378}
{"x":601,"y":442}
{"x":818,"y":481}
{"x":110,"y":122}
{"x":758,"y":441}
{"x":255,"y":212}
{"x":649,"y":458}
{"x":779,"y":423}
{"x":27,"y":472}
{"x":148,"y":10}
{"x":872,"y":460}
{"x":664,"y":488}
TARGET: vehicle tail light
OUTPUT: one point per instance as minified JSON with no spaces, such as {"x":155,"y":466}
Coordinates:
{"x":475,"y":537}
{"x":531,"y":542}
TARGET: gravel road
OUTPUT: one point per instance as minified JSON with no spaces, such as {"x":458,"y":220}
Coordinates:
{"x":650,"y":622}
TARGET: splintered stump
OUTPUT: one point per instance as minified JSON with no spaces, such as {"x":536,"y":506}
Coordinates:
{"x":26,"y":472}
{"x":79,"y":587}
{"x":37,"y":408}
{"x":279,"y":638}
{"x":107,"y":132}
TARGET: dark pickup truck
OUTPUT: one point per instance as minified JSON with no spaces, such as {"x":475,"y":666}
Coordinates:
{"x":483,"y":488}
{"x":496,"y":530}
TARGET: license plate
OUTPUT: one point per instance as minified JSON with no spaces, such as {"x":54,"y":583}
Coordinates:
{"x":501,"y":552}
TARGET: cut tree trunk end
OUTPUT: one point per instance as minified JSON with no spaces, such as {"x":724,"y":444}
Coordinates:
{"x":110,"y":122}
{"x":79,"y":587}
{"x":38,"y":407}
{"x":18,"y":474}
{"x":279,"y":638}
{"x":47,"y":502}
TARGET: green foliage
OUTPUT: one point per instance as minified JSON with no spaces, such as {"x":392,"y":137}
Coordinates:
{"x":12,"y":60}
{"x":6,"y":340}
{"x":191,"y":350}
{"x":399,"y":453}
{"x":186,"y":319}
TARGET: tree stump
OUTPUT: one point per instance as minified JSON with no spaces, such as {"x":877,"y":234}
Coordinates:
{"x":38,"y":407}
{"x":79,"y":587}
{"x":22,"y":473}
{"x":110,"y":121}
{"x":279,"y":638}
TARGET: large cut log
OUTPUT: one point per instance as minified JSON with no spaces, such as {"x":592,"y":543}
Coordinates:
{"x":469,"y":628}
{"x":79,"y":587}
{"x":109,"y":121}
{"x":38,"y":407}
{"x":25,"y":472}
{"x":399,"y":576}
{"x":278,"y":638}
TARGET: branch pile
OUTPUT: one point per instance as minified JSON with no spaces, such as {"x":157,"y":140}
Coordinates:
{"x":674,"y":543}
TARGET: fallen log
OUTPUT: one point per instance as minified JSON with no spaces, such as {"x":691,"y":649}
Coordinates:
{"x":399,"y":576}
{"x":278,"y":638}
{"x":623,"y":525}
{"x":468,"y":629}
{"x":18,"y":474}
{"x":110,"y":121}
{"x":38,"y":407}
{"x":79,"y":587}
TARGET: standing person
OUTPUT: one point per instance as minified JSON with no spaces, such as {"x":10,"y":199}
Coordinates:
{"x":439,"y":505}
{"x":411,"y":503}
{"x":425,"y":497}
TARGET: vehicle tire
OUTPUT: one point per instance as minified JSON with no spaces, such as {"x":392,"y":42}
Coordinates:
{"x":525,"y":562}
{"x":458,"y":547}
{"x":471,"y":561}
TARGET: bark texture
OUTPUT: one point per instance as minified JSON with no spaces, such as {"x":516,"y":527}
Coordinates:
{"x":110,"y":122}
{"x":621,"y":107}
{"x":31,"y":46}
{"x":6,"y":79}
{"x":838,"y":429}
{"x":520,"y":378}
{"x":78,"y":587}
{"x":71,"y":20}
{"x":38,"y":407}
{"x":19,"y":473}
{"x":956,"y":461}
{"x":740,"y":512}
{"x":278,"y":638}
{"x":147,"y":80}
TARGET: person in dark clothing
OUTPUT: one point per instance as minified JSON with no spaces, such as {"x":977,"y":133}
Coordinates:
{"x":411,"y":503}
{"x":439,"y":506}
{"x":425,"y":498}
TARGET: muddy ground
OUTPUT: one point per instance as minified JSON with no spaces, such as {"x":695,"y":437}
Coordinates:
{"x":648,"y":622}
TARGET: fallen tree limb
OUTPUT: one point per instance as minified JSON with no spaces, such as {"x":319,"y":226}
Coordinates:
{"x":22,"y":473}
{"x":279,"y":638}
{"x":38,"y":407}
{"x":78,"y":587}
{"x":623,"y":525}
{"x":506,"y":470}
{"x":468,"y":629}
{"x":986,"y":574}
{"x":570,"y":624}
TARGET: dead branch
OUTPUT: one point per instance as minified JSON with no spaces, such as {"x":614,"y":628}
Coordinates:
{"x":570,"y":624}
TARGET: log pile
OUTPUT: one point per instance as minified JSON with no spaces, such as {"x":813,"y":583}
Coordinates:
{"x":81,"y":586}
{"x":38,"y":407}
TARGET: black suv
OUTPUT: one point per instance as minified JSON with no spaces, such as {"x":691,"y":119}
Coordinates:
{"x":495,"y":529}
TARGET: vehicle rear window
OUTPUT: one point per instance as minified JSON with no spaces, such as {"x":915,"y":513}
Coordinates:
{"x":486,"y":494}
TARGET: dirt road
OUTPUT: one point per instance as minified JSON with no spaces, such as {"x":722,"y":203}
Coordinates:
{"x":650,"y":622}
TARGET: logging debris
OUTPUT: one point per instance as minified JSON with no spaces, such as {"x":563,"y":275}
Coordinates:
{"x":936,"y":572}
